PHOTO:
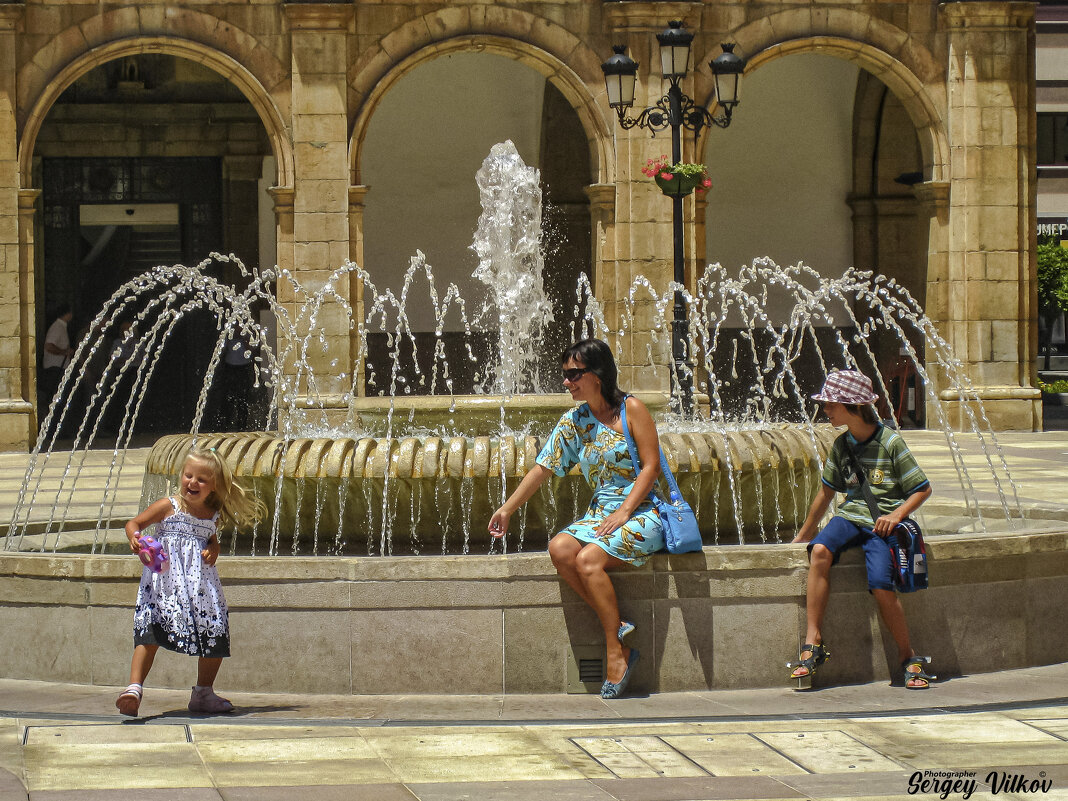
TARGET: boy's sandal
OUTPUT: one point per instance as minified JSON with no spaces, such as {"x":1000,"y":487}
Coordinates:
{"x":913,"y":671}
{"x":818,"y":654}
{"x":129,"y":701}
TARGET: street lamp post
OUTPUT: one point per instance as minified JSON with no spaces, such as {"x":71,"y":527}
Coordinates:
{"x":675,"y":110}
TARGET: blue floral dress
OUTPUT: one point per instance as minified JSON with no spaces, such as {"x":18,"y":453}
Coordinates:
{"x":183,"y":608}
{"x":604,"y":459}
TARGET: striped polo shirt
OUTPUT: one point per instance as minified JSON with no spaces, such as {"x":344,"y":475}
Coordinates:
{"x":888,"y":465}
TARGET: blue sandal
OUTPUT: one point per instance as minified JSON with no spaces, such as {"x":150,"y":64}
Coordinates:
{"x":614,"y":690}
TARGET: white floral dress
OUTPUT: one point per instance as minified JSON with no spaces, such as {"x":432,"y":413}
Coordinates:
{"x":183,"y":608}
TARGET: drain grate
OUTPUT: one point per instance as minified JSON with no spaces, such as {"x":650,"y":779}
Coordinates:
{"x":585,"y":668}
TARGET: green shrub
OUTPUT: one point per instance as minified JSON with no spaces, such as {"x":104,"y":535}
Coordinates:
{"x":1052,"y":278}
{"x":1054,"y":387}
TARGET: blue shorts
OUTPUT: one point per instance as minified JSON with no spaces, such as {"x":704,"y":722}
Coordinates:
{"x":841,"y":535}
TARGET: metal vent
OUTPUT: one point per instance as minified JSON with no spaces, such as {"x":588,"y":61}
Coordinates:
{"x":585,"y":668}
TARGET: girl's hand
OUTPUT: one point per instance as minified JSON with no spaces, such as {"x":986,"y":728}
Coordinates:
{"x":211,"y":553}
{"x":498,"y":524}
{"x":616,"y":520}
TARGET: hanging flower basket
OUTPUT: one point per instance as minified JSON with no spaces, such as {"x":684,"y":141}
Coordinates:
{"x":677,"y":180}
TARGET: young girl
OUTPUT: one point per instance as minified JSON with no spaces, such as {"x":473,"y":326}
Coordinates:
{"x":898,"y":486}
{"x":183,"y":608}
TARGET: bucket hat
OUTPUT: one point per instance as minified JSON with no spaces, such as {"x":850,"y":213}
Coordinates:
{"x":847,"y":386}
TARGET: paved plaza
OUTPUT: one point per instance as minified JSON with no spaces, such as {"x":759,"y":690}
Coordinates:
{"x":1005,"y":731}
{"x":61,"y":742}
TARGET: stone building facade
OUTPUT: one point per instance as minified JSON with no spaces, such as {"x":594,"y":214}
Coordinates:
{"x":304,"y":79}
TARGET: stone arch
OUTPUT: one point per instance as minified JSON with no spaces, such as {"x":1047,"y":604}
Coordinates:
{"x":225,"y":65}
{"x":911,"y":88}
{"x":537,"y":45}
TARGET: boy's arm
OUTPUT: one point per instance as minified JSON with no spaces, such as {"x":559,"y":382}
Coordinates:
{"x":815,"y":514}
{"x":887,"y":523}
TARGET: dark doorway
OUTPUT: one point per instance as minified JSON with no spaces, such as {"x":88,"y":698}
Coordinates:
{"x":106,"y":221}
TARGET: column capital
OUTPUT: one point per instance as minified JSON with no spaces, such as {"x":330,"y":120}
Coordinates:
{"x":650,"y":17}
{"x":987,"y":15}
{"x":283,"y":198}
{"x":318,"y":16}
{"x":11,"y":15}
{"x":933,"y":195}
{"x":28,"y":200}
{"x":602,"y":198}
{"x":357,"y":196}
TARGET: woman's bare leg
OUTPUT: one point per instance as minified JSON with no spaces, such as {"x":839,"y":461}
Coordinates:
{"x":592,"y":565}
{"x":563,"y":550}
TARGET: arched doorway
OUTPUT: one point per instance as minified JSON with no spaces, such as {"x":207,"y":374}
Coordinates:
{"x":818,"y":168}
{"x":424,"y":142}
{"x":150,"y":159}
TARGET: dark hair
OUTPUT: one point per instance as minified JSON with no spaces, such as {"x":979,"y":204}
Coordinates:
{"x":60,"y":310}
{"x":865,"y":411}
{"x":596,"y":355}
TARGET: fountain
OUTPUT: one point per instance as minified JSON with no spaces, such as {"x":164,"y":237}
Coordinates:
{"x":415,"y":471}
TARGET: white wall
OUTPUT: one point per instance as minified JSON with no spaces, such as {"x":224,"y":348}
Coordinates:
{"x":781,"y":172}
{"x":426,"y":140}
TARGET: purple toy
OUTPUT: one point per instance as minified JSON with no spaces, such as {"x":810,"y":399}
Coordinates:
{"x":152,"y":554}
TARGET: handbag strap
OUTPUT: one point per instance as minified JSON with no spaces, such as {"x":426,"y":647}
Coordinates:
{"x":865,"y":489}
{"x":665,"y":470}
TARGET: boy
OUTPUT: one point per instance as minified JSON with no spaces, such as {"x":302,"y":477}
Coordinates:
{"x":899,"y":487}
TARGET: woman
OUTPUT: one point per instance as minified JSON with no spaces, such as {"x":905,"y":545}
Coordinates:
{"x":621,"y":525}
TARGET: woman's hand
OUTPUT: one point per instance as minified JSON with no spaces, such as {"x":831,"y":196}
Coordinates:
{"x":498,"y":524}
{"x":614,"y":521}
{"x":211,"y":553}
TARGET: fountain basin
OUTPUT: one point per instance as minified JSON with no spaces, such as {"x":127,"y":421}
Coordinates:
{"x":724,"y":618}
{"x":432,"y":494}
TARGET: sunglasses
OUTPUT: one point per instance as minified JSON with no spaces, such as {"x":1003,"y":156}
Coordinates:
{"x":575,"y":373}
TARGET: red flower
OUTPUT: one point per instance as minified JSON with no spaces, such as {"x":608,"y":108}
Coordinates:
{"x":667,"y":176}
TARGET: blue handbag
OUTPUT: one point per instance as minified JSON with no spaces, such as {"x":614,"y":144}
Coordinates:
{"x":681,"y":533}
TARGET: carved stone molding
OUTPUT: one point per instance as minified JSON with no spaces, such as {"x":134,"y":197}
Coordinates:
{"x":318,"y":16}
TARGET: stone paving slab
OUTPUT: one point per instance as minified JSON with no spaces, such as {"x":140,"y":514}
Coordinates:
{"x":829,"y":751}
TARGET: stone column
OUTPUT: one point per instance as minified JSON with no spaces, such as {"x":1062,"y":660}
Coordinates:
{"x":319,"y":43}
{"x":241,"y":175}
{"x":18,"y":425}
{"x":932,"y":209}
{"x":643,"y":227}
{"x":357,"y":204}
{"x":604,"y":269}
{"x":991,"y":319}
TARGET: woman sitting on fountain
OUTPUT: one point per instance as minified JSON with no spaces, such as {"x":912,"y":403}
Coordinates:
{"x":621,"y":525}
{"x":898,"y":486}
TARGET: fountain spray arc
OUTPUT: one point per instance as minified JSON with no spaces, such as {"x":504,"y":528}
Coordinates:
{"x":511,"y":265}
{"x":748,"y":468}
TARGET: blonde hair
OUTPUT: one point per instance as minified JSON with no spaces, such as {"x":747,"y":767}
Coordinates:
{"x":233,"y":503}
